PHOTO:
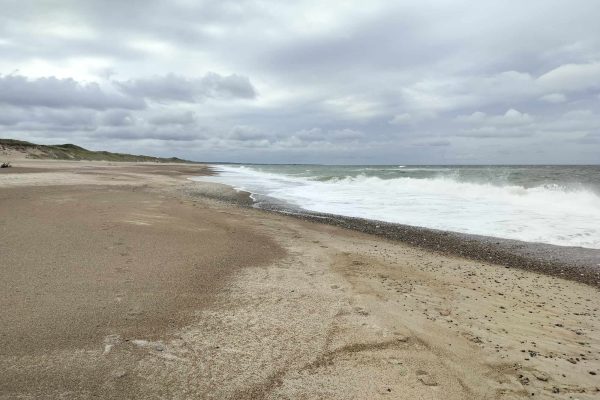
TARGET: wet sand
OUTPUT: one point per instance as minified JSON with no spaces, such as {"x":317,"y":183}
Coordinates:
{"x":574,"y":263}
{"x":130,"y":281}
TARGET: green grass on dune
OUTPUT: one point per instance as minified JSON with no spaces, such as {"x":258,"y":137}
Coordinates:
{"x":73,"y":152}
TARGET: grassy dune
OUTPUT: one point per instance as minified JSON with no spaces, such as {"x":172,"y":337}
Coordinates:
{"x":73,"y":152}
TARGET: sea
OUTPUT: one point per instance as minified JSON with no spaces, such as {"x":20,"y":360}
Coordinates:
{"x":550,"y":204}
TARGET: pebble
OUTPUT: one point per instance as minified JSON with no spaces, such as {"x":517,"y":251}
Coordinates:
{"x":119,"y":373}
{"x":541,"y":376}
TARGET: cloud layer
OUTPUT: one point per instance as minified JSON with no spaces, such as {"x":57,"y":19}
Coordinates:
{"x":264,"y":81}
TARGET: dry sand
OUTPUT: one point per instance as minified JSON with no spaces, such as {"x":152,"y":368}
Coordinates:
{"x":122,"y":281}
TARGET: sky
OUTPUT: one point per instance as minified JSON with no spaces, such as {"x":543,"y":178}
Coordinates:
{"x":338,"y":82}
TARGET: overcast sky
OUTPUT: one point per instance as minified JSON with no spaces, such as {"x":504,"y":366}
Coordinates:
{"x":418,"y":81}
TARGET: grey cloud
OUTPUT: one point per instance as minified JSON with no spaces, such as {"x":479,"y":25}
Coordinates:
{"x":144,"y":133}
{"x":412,"y":118}
{"x":510,"y":117}
{"x":589,"y":138}
{"x":494,"y":132}
{"x":312,"y":134}
{"x":346,"y":134}
{"x":245,"y":133}
{"x":433,"y":143}
{"x":554,"y":98}
{"x":348,"y":81}
{"x":328,"y":135}
{"x":17,"y":90}
{"x":41,"y":117}
{"x":11,"y":115}
{"x":173,"y":87}
{"x":572,"y":77}
{"x":174,"y":118}
{"x":117,"y":118}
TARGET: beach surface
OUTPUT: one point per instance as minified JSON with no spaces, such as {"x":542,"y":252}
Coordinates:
{"x":123,"y":280}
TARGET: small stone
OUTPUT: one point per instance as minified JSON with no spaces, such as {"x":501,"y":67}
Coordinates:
{"x":119,"y":373}
{"x":592,"y":373}
{"x":402,"y":338}
{"x":541,"y":376}
{"x":524,"y":380}
{"x":427,"y":380}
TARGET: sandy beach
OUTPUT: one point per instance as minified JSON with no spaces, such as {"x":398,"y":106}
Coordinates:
{"x":123,"y":280}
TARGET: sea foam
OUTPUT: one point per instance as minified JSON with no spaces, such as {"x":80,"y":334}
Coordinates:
{"x":546,"y":213}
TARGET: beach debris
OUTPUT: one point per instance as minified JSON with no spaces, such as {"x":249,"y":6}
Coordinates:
{"x":157,"y":346}
{"x":109,"y":342}
{"x":5,"y":165}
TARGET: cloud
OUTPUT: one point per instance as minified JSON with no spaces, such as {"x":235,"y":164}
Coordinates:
{"x":173,"y":87}
{"x":401,"y":119}
{"x":345,"y":134}
{"x":323,"y":135}
{"x":414,"y":118}
{"x":488,"y":132}
{"x":483,"y":83}
{"x":476,"y":118}
{"x":571,"y":77}
{"x":433,"y":143}
{"x":554,"y":98}
{"x":510,"y":117}
{"x":18,"y":90}
{"x":147,"y":132}
{"x":174,"y":118}
{"x":511,"y":124}
{"x":588,"y":138}
{"x":245,"y":132}
{"x":117,"y":118}
{"x":46,"y":118}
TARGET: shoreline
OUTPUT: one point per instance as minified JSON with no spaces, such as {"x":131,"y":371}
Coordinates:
{"x":574,"y":263}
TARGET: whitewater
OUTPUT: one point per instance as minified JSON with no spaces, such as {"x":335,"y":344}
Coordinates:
{"x":545,"y":204}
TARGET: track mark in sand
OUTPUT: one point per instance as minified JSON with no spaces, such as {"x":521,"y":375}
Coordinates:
{"x":134,"y":222}
{"x":261,"y":390}
{"x":328,"y":357}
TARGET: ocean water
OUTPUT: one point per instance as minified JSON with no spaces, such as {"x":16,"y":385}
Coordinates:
{"x":548,"y":204}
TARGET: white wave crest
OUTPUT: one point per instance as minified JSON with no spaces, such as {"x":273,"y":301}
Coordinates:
{"x":546,"y":214}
